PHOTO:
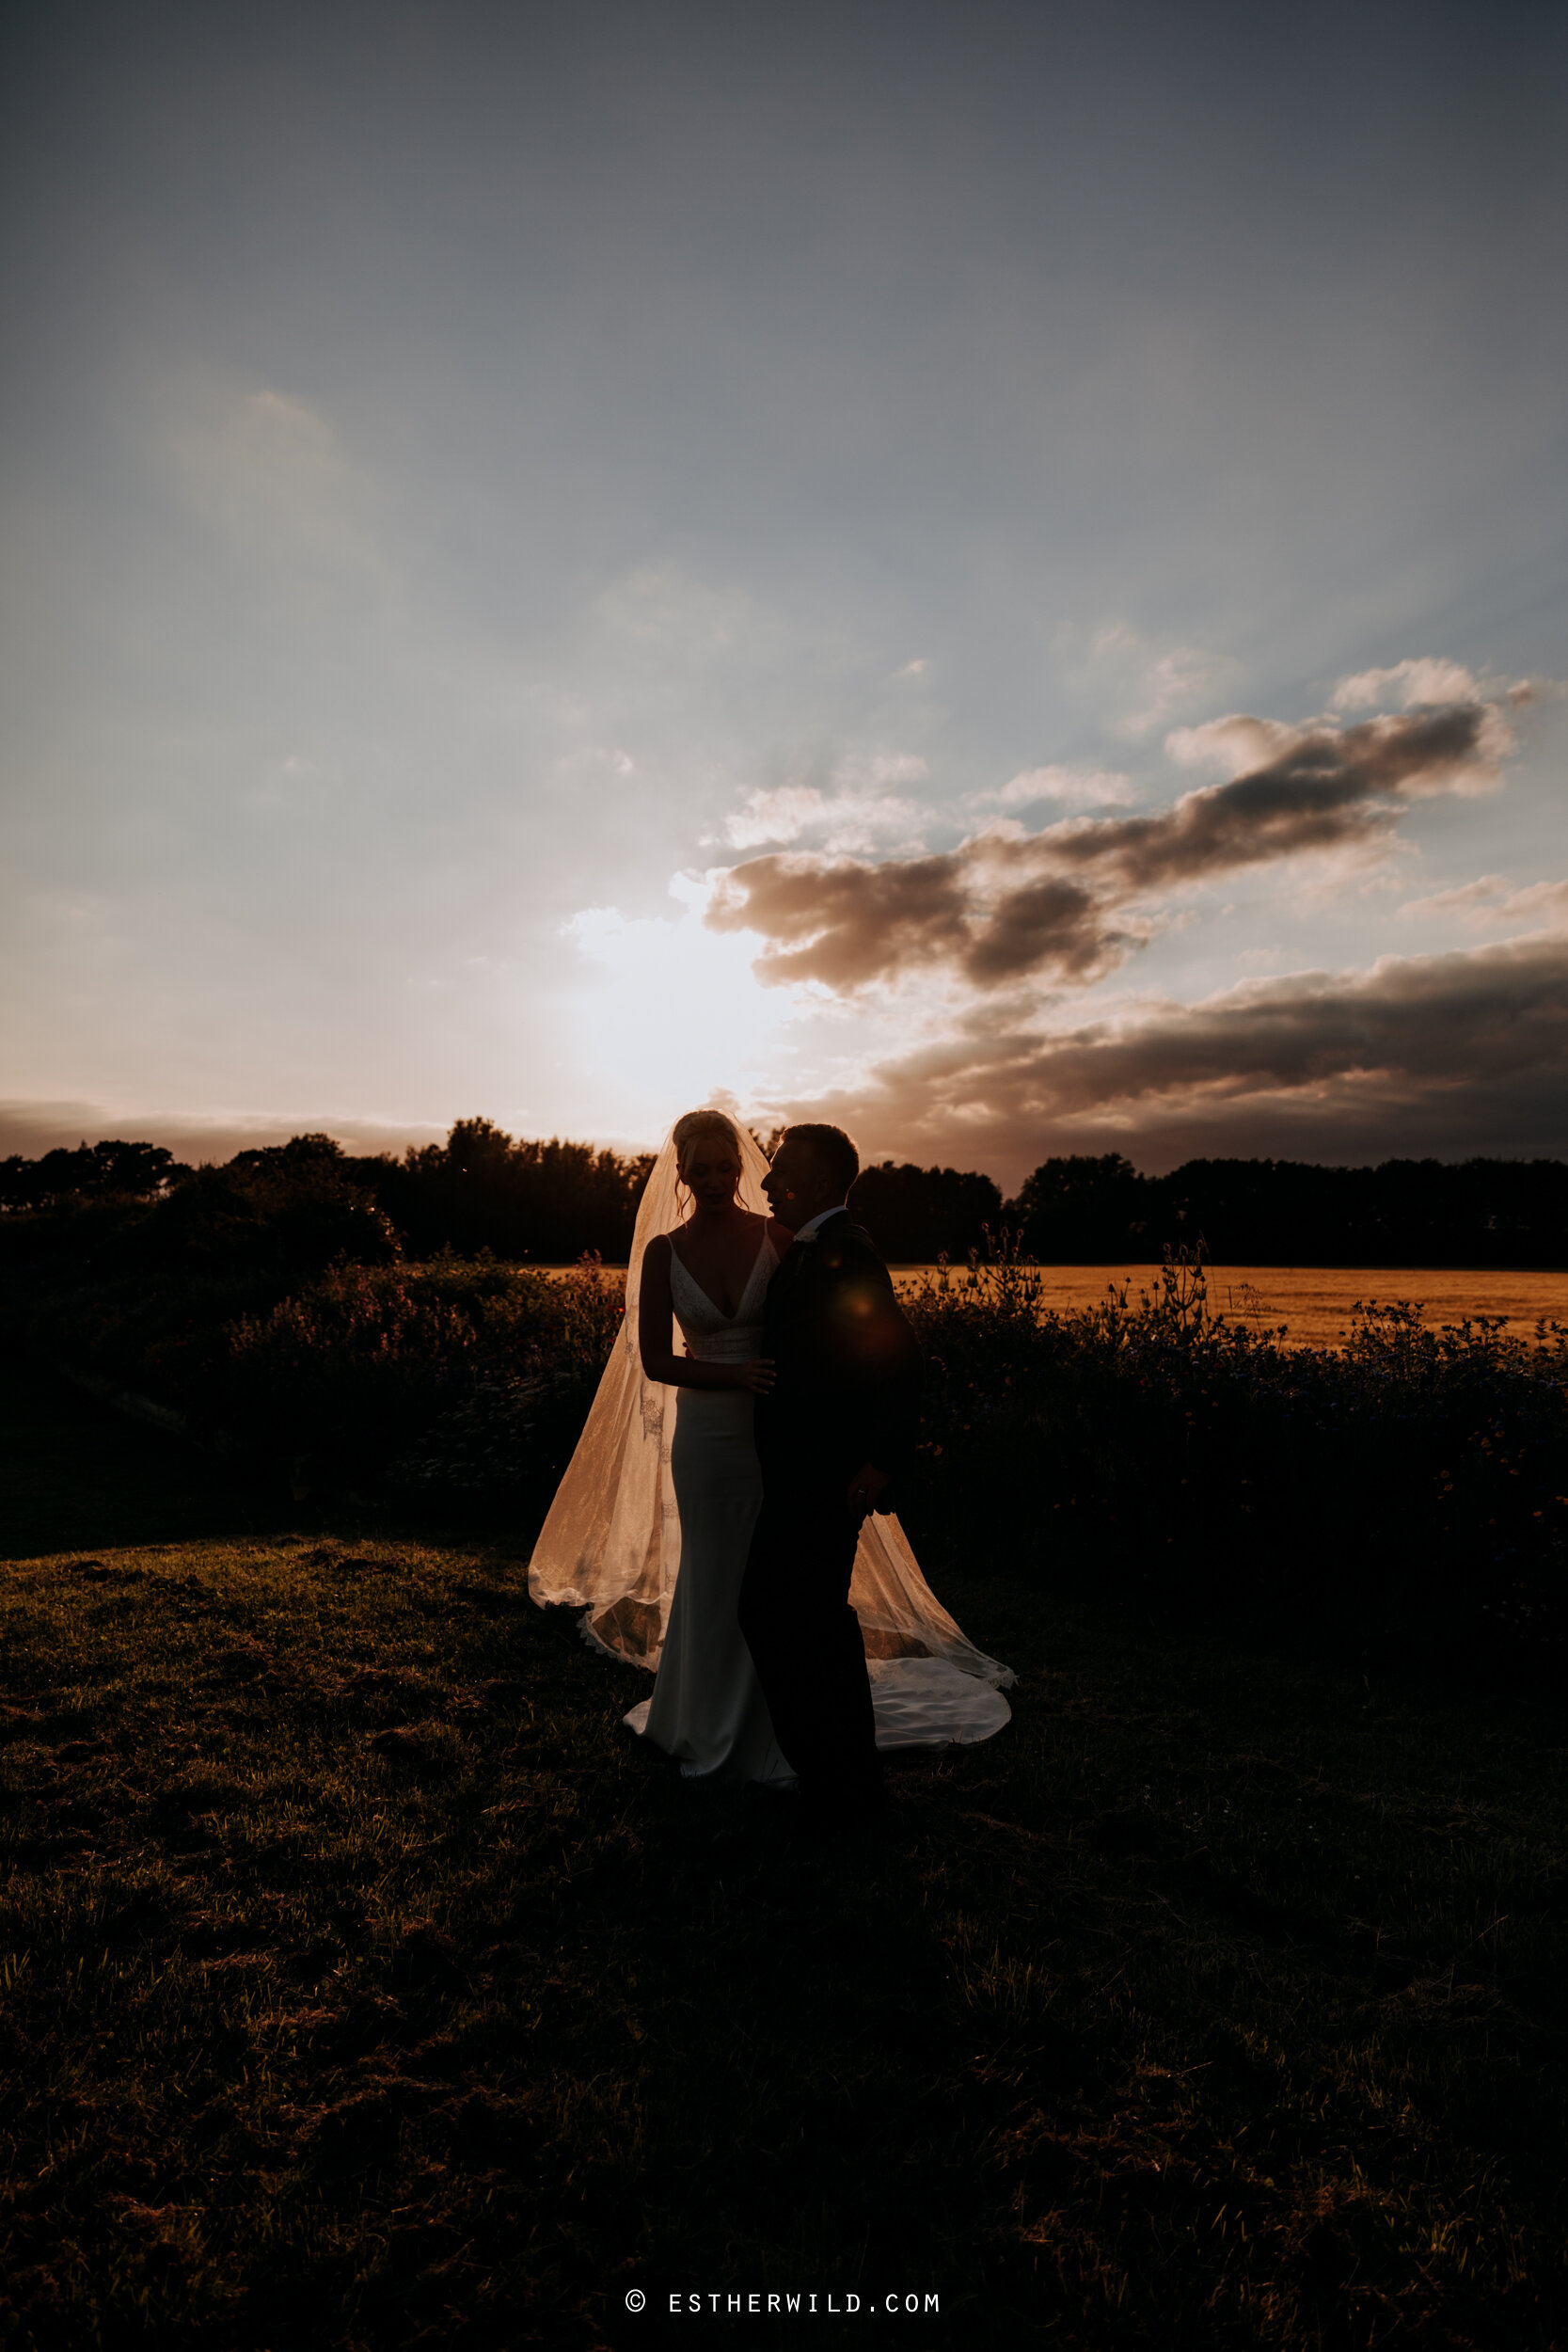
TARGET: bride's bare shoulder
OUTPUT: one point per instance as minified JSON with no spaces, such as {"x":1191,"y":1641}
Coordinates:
{"x":659,"y":1250}
{"x":780,"y":1236}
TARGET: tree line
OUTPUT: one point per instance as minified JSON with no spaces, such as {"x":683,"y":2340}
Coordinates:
{"x":1479,"y":1213}
{"x":550,"y":1201}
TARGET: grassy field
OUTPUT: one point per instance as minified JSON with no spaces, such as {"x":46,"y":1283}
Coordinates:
{"x":364,"y":1985}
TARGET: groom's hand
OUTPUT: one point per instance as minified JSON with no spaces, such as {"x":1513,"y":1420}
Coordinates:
{"x":865,"y":1489}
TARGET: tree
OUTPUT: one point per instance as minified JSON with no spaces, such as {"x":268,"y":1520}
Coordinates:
{"x":1083,"y":1211}
{"x":915,"y":1213}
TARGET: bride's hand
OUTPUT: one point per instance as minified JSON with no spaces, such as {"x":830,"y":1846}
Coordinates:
{"x":757,"y":1375}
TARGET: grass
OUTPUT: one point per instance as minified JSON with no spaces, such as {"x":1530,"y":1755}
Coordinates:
{"x":364,"y":1985}
{"x":74,"y":1474}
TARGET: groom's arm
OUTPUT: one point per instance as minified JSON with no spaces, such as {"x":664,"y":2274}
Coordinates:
{"x":882,"y":1369}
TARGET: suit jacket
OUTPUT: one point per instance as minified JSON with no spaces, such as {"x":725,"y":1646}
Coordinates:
{"x":848,"y":1364}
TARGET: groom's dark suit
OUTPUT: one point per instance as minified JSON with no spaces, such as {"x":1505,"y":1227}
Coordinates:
{"x":846,"y":1393}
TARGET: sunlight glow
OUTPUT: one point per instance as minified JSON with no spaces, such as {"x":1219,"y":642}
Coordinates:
{"x":675,"y":1018}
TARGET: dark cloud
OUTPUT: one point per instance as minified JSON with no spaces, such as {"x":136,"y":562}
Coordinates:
{"x":848,"y":921}
{"x":1448,"y":1054}
{"x":844,"y":920}
{"x":1324,"y":788}
{"x":1007,"y":904}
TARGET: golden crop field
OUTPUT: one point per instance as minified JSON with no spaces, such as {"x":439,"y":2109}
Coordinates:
{"x":1314,"y":1302}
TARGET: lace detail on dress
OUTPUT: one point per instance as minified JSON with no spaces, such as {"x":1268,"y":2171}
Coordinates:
{"x":715,"y":1337}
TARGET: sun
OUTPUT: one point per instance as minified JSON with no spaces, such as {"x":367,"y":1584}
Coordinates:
{"x":666,"y":1014}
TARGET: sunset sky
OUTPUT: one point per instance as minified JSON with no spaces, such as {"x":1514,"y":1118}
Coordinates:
{"x":991,"y":572}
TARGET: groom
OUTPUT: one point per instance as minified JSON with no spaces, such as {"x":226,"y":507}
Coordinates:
{"x":837,"y":1429}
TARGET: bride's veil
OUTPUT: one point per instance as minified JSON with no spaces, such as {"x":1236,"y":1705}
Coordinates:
{"x":612,"y":1542}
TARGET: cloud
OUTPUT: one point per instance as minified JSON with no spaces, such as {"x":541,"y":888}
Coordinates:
{"x":870,"y":770}
{"x":850,"y":816}
{"x":1460,"y":1051}
{"x":1131,"y":683}
{"x":1174,"y":679}
{"x":1070,"y":788}
{"x":1233,"y":744}
{"x":1409,"y":683}
{"x":1407,"y":1024}
{"x":1493,"y":900}
{"x":848,"y":922}
{"x":1064,"y":904}
{"x":780,"y":816}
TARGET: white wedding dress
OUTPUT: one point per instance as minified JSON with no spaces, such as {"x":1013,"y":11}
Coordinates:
{"x":651,"y":1525}
{"x":708,"y":1705}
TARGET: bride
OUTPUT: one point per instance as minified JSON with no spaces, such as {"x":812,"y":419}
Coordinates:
{"x":651,"y":1526}
{"x":711,"y":1276}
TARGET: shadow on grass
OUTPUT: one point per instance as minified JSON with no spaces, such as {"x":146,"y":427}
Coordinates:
{"x":76,"y":1475}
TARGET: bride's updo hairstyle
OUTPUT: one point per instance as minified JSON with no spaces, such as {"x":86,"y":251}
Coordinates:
{"x":692,"y":1126}
{"x":690,"y":1130}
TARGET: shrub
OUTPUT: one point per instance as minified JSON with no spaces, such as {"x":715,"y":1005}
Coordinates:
{"x":428,"y":1376}
{"x":1411,"y":1493}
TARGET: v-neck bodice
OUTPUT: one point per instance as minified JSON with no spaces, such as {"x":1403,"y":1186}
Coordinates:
{"x":707,"y":1331}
